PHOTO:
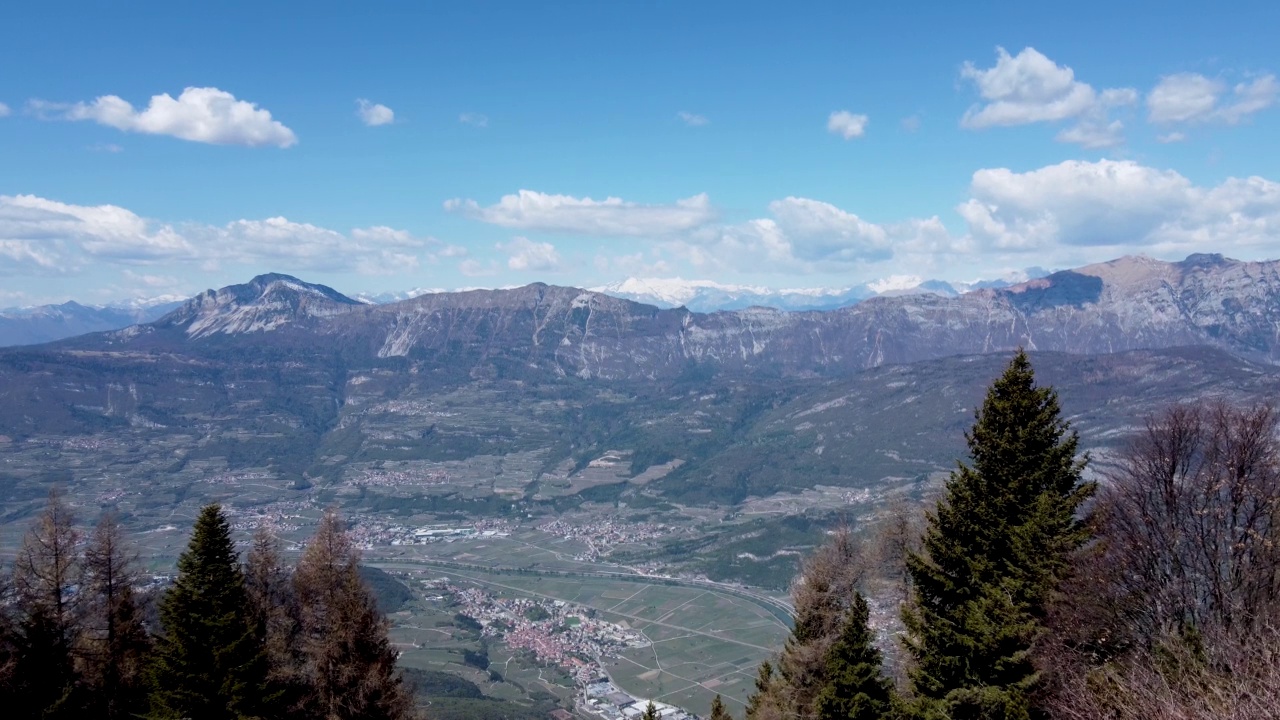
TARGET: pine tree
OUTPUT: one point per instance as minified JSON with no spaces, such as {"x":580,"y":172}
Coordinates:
{"x":115,"y":647}
{"x":349,"y":661}
{"x":995,"y":548}
{"x":650,"y":712}
{"x":209,"y":660}
{"x":44,"y":577}
{"x":717,"y":709}
{"x":855,"y":689}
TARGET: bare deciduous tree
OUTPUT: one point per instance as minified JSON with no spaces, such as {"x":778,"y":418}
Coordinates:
{"x":1190,"y":520}
{"x":1172,"y":613}
{"x":348,"y":659}
{"x":822,"y":593}
{"x":114,"y":644}
{"x":273,"y":607}
{"x":45,"y":574}
{"x":1216,"y":677}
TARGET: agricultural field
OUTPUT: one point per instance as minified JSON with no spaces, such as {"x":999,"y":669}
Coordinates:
{"x":700,"y":641}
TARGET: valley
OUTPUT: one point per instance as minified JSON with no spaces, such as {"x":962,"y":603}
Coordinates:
{"x":548,"y":445}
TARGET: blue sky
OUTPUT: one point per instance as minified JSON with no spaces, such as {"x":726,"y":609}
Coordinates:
{"x":155,"y":148}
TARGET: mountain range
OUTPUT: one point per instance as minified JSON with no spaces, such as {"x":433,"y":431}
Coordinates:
{"x":46,"y":323}
{"x":521,"y":396}
{"x":1127,"y":304}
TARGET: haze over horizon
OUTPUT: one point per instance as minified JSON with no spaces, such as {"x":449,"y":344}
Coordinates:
{"x":165,"y":150}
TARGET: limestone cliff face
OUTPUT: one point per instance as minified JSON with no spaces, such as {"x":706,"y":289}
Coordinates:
{"x":1126,"y":304}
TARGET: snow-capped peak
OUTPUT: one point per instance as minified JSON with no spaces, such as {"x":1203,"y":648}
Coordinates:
{"x":673,"y":291}
{"x":895,"y":283}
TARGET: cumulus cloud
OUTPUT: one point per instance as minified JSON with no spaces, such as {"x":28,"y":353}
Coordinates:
{"x":819,"y":231}
{"x":103,"y":231}
{"x":846,"y":124}
{"x":911,"y":123}
{"x":37,"y":234}
{"x":374,"y":114}
{"x":1070,"y":213}
{"x":1121,"y":206}
{"x":1030,"y":88}
{"x":526,"y":255}
{"x":610,"y":217}
{"x":206,"y":115}
{"x":474,"y":119}
{"x":807,"y":236}
{"x":4,"y":110}
{"x":692,"y":119}
{"x":1194,"y":98}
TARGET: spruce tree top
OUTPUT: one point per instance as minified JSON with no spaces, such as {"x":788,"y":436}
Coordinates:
{"x":210,"y":562}
{"x":996,"y":546}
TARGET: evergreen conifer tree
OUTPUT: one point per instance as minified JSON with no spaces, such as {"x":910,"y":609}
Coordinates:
{"x":717,"y":709}
{"x":348,"y":659}
{"x":45,"y":576}
{"x":115,"y":645}
{"x":994,"y":550}
{"x":855,"y":688}
{"x":650,"y":712}
{"x":209,"y":659}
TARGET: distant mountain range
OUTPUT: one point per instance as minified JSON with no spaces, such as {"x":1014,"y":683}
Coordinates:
{"x":46,"y":323}
{"x":710,"y":296}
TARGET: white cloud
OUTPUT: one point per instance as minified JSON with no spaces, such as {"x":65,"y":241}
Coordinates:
{"x":474,"y":119}
{"x":911,"y":123}
{"x":1183,"y":97}
{"x":1173,"y":137}
{"x":4,"y":110}
{"x":206,"y":115}
{"x":611,"y":217}
{"x":821,"y":232}
{"x":103,"y":231}
{"x":803,"y":236}
{"x":526,"y":255}
{"x":692,"y":119}
{"x":1194,"y":98}
{"x":1025,"y":88}
{"x":1092,"y":134}
{"x":633,"y":265}
{"x":374,"y":114}
{"x":847,"y":124}
{"x":474,"y":268}
{"x":49,"y":236}
{"x":106,"y":148}
{"x":1030,"y":88}
{"x":1119,"y":206}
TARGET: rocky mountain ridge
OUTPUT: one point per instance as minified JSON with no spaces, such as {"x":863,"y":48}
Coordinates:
{"x":1127,"y":304}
